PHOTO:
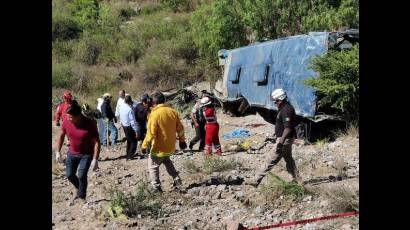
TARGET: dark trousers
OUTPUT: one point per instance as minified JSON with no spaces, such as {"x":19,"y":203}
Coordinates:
{"x":80,"y":163}
{"x":199,"y":136}
{"x":131,"y":141}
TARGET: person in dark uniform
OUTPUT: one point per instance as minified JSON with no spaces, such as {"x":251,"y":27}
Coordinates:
{"x":286,"y":134}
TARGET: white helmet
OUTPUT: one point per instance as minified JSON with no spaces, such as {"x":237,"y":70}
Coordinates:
{"x":205,"y":101}
{"x":278,"y":94}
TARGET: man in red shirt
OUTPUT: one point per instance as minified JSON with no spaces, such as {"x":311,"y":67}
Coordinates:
{"x":84,"y":148}
{"x":61,"y":109}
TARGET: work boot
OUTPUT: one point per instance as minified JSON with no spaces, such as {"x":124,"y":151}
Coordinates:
{"x":177,"y":185}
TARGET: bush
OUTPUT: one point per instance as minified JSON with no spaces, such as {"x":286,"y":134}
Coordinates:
{"x":64,"y":28}
{"x":276,"y":187}
{"x":62,"y":75}
{"x":342,"y":198}
{"x":217,"y":26}
{"x":338,"y":83}
{"x":190,"y":166}
{"x":143,"y":202}
{"x":85,"y":13}
{"x":216,"y":164}
{"x":63,"y":50}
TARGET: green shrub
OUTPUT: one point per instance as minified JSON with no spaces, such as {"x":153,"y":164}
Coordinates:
{"x":216,"y":164}
{"x":151,"y":8}
{"x":142,"y":202}
{"x":217,"y":26}
{"x":338,"y":83}
{"x":62,"y":75}
{"x":64,"y":28}
{"x":63,"y":50}
{"x":85,"y":13}
{"x":276,"y":187}
{"x":190,"y":166}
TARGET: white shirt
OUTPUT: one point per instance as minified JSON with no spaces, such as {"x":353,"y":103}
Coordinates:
{"x":120,"y":102}
{"x":99,"y":103}
{"x":127,"y":117}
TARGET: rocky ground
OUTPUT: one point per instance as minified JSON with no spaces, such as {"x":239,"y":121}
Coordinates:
{"x":329,"y":170}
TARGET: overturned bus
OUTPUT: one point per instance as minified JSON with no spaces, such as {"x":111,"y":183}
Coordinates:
{"x":252,"y":72}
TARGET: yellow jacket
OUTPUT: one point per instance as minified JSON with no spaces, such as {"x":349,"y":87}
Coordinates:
{"x":163,"y":125}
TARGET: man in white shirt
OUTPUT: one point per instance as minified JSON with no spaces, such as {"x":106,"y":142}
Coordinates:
{"x":121,"y":96}
{"x":130,"y":126}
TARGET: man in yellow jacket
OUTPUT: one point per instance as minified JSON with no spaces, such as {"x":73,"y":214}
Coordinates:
{"x":163,"y":123}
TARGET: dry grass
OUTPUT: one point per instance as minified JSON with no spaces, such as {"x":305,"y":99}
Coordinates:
{"x":342,"y":197}
{"x":352,"y":131}
{"x":217,"y":164}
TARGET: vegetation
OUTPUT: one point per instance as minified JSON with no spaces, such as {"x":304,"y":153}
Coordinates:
{"x":143,"y":202}
{"x":161,"y":44}
{"x":276,"y":187}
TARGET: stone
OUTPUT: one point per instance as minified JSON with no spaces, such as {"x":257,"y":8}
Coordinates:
{"x":221,"y":187}
{"x":259,"y":210}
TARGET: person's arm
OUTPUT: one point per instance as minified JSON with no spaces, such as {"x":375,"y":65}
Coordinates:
{"x":181,"y":136}
{"x":135,"y":126}
{"x":117,"y":109}
{"x":152,"y":128}
{"x":180,"y":130}
{"x":97,"y":148}
{"x":286,"y":134}
{"x":287,"y":120}
{"x":58,"y":114}
{"x":60,"y":140}
{"x":193,"y":117}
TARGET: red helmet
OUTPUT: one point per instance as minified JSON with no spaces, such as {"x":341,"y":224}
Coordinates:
{"x":67,"y":95}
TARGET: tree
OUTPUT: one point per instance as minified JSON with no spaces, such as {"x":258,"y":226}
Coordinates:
{"x":338,"y":83}
{"x":217,"y":26}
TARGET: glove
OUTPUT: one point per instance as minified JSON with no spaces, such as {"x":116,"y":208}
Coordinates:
{"x":182,"y":145}
{"x":279,"y":148}
{"x":94,"y":164}
{"x":57,"y":123}
{"x":58,"y":157}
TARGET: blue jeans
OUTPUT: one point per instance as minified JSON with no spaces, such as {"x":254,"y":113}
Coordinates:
{"x":114,"y":133}
{"x":101,"y":130}
{"x":81,"y":163}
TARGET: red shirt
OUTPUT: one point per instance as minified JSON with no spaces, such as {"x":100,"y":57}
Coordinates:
{"x":210,"y":115}
{"x":82,"y":138}
{"x":61,"y":111}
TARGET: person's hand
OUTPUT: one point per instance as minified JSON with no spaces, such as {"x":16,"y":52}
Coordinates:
{"x":196,"y":125}
{"x":182,"y":145}
{"x":94,"y":164}
{"x":57,"y":123}
{"x":58,"y":157}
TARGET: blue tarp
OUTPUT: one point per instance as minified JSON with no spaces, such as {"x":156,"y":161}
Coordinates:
{"x":237,"y":133}
{"x":281,"y":63}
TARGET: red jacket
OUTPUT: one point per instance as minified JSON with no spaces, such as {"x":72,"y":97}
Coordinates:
{"x":210,"y":115}
{"x":61,"y":111}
